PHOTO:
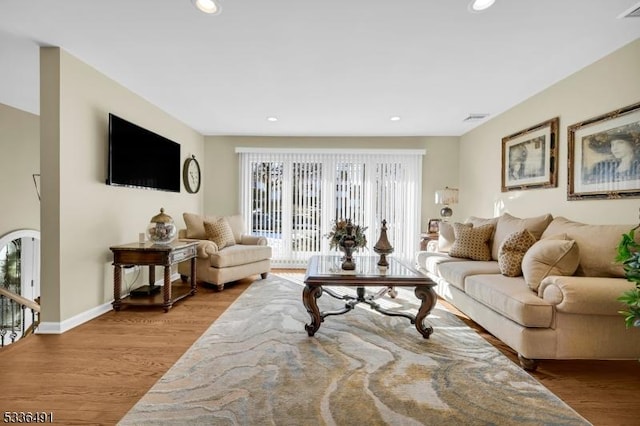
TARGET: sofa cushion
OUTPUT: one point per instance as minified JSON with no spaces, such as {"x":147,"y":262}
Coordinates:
{"x":508,"y":224}
{"x":471,"y":242}
{"x":456,"y":272}
{"x":239,"y":255}
{"x":597,"y":245}
{"x":220,"y":233}
{"x":446,"y":236}
{"x":549,"y":257}
{"x":513,"y":250}
{"x":479,"y":221}
{"x":510,"y":297}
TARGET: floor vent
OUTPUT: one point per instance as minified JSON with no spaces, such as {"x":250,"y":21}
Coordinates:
{"x":633,"y":12}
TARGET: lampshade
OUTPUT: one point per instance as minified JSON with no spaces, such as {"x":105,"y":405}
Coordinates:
{"x":447,"y":196}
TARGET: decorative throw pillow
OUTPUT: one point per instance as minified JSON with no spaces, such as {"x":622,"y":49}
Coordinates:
{"x":508,"y":224}
{"x":446,"y":236}
{"x":220,"y":233}
{"x":513,"y":250}
{"x":195,"y":226}
{"x":472,"y":243}
{"x":549,"y":257}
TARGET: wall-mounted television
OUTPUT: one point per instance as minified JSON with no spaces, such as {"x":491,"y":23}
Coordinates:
{"x":140,"y":158}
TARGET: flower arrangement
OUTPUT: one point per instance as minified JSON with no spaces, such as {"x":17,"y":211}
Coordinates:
{"x":629,"y":256}
{"x":339,"y":230}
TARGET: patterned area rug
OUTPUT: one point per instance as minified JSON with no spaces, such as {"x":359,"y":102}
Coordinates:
{"x":256,"y":365}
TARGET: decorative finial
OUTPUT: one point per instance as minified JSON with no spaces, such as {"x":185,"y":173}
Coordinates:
{"x":383,"y":247}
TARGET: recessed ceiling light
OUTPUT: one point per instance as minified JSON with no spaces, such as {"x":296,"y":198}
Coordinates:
{"x":207,"y":6}
{"x":474,"y":116}
{"x":480,"y":5}
{"x":272,"y":119}
{"x":395,"y":118}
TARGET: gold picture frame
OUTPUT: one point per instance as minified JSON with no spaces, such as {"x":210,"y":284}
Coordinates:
{"x":604,"y":156}
{"x":529,"y":157}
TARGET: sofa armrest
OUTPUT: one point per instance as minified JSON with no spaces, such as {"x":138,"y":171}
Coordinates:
{"x":252,"y":240}
{"x":584,"y":295}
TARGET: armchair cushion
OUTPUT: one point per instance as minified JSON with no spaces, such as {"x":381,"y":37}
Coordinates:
{"x":195,"y":226}
{"x":240,"y":255}
{"x":220,"y":233}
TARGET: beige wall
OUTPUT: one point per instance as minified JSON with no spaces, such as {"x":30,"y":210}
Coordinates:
{"x":439,"y":167}
{"x":82,"y":216}
{"x":20,"y":159}
{"x":604,"y":86}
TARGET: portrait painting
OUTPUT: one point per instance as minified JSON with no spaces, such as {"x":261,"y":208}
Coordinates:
{"x":604,"y":156}
{"x":529,"y":157}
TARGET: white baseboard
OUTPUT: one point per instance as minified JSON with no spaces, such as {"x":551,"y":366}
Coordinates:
{"x":81,"y":318}
{"x":68,"y":324}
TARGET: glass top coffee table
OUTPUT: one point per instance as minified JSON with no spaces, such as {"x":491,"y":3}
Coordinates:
{"x":325,"y":271}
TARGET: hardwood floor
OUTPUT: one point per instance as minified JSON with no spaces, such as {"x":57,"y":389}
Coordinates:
{"x":96,"y":372}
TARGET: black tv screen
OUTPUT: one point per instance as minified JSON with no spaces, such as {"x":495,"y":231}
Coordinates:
{"x":140,"y":158}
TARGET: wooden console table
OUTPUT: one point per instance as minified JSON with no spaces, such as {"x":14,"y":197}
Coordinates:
{"x":152,"y":255}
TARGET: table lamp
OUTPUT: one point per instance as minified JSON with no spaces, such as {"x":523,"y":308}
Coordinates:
{"x":447,"y":196}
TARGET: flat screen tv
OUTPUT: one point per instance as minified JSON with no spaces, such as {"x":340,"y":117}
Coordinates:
{"x":140,"y":158}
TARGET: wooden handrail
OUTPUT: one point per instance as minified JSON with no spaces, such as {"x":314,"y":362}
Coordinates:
{"x":20,"y":300}
{"x":33,"y":306}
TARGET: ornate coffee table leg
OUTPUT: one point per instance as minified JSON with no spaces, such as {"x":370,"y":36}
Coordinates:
{"x":309,"y":296}
{"x":429,"y":299}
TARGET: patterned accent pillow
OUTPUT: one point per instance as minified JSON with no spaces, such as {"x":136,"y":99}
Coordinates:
{"x":472,"y":243}
{"x":508,"y":224}
{"x":512,"y":252}
{"x":446,"y":236}
{"x":220,"y":233}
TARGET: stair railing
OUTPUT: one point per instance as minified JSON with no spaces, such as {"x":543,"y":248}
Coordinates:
{"x":12,"y":326}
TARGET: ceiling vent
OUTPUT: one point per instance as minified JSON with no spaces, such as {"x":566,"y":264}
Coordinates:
{"x":476,"y":117}
{"x":633,"y":12}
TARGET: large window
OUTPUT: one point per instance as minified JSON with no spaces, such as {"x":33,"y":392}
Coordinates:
{"x":292,"y":197}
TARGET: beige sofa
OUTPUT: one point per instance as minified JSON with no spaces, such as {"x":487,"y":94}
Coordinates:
{"x":225,"y":252}
{"x":561,"y":305}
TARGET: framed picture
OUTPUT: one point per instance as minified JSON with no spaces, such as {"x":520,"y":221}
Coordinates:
{"x":529,"y":157}
{"x":434,"y":226}
{"x":604,"y":156}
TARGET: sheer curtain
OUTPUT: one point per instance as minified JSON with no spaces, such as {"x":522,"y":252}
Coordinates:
{"x":292,"y":197}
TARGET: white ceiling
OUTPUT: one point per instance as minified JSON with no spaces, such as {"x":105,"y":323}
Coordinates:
{"x":324,"y":68}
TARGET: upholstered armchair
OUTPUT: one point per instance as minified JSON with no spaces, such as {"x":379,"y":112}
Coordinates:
{"x":225,"y":253}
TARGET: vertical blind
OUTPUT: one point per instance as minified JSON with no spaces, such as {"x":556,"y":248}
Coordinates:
{"x":293,"y":198}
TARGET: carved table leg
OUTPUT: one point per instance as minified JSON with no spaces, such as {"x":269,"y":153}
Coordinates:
{"x":429,"y":299}
{"x":167,"y":289}
{"x":309,"y":296}
{"x":117,"y":287}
